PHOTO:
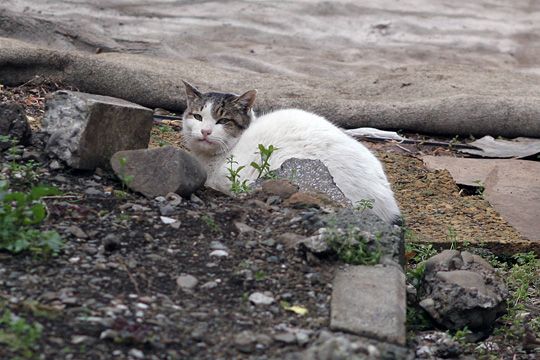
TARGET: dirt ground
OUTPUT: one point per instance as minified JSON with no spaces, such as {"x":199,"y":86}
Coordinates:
{"x":115,"y":289}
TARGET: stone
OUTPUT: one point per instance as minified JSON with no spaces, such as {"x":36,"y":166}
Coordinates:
{"x":77,"y":232}
{"x":86,"y":130}
{"x":301,"y":200}
{"x":187,"y":282}
{"x":166,"y":210}
{"x":286,"y":337}
{"x":460,"y":289}
{"x":245,"y":341}
{"x":379,"y":235}
{"x":279,"y":187}
{"x":258,"y":298}
{"x":159,"y":171}
{"x":111,"y":242}
{"x":219,"y":253}
{"x":370,"y":301}
{"x":311,"y":176}
{"x":13,"y":123}
{"x":135,"y":353}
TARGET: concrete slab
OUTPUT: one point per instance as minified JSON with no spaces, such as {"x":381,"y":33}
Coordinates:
{"x":370,"y":301}
{"x":512,"y":187}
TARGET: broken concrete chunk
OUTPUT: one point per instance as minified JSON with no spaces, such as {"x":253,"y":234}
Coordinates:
{"x":160,"y":171}
{"x":13,"y":124}
{"x":370,"y":301}
{"x":462,"y":289}
{"x":86,"y":129}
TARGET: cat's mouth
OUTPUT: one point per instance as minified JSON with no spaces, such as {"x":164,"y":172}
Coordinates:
{"x":205,"y":141}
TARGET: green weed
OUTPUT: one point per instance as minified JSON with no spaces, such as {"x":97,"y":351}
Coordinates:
{"x":237,"y":186}
{"x":364,"y":205}
{"x":126,"y":179}
{"x":18,"y":335}
{"x":211,"y":223}
{"x":20,"y":212}
{"x":352,"y":247}
{"x":264,"y":167}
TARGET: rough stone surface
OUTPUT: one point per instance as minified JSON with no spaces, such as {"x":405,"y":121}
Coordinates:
{"x":86,"y":129}
{"x":187,"y":282}
{"x":379,"y":235}
{"x":339,"y":346}
{"x":157,"y":172}
{"x":370,"y":301}
{"x":279,"y":187}
{"x":13,"y":123}
{"x":462,"y":289}
{"x":312,"y":176}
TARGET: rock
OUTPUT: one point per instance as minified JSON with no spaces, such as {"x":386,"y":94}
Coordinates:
{"x":13,"y":123}
{"x":301,"y":200}
{"x":243,"y":228}
{"x":86,"y":129}
{"x":219,"y":253}
{"x":287,"y":338}
{"x":258,"y":298}
{"x":77,"y":232}
{"x":279,"y":187}
{"x":167,"y":220}
{"x":187,"y":282}
{"x":437,"y":344}
{"x":216,"y":245}
{"x":461,"y":289}
{"x":379,"y":235}
{"x":209,"y":285}
{"x":137,"y":354}
{"x":312,"y":176}
{"x":166,"y":210}
{"x":92,"y":191}
{"x":160,"y":171}
{"x":245,"y":341}
{"x":370,"y":301}
{"x":111,"y":242}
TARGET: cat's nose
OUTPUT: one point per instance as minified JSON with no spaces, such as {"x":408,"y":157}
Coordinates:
{"x":206,"y":132}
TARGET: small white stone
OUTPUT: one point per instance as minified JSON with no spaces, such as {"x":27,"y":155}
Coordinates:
{"x":258,"y":298}
{"x":74,"y":259}
{"x":219,"y":253}
{"x":137,"y":354}
{"x":141,"y":306}
{"x":167,"y":220}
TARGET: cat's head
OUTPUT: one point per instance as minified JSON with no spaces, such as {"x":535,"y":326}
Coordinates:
{"x":213,"y":122}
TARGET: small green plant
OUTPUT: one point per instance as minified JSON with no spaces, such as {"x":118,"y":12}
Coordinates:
{"x":211,"y":223}
{"x":352,"y":247}
{"x":480,"y":188}
{"x":126,"y":179}
{"x":237,"y":186}
{"x":417,"y":253}
{"x":20,"y":212}
{"x":461,"y":335}
{"x":260,"y":275}
{"x":364,"y":205}
{"x":18,"y":335}
{"x":264,"y":167}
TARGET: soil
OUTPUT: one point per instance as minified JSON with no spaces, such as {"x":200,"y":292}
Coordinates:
{"x":114,"y":290}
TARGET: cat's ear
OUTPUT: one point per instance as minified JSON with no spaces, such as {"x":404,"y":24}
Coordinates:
{"x":247,"y":99}
{"x":191,"y":92}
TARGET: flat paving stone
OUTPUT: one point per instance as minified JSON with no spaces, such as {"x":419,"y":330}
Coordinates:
{"x":370,"y":301}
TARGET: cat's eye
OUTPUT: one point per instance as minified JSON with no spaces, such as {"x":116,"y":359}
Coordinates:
{"x":197,"y":117}
{"x":223,"y":121}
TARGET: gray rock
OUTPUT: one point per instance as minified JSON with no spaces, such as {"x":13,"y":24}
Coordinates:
{"x":286,"y":337}
{"x":111,"y":242}
{"x":219,"y":253}
{"x":160,"y":171}
{"x":370,"y":301}
{"x":13,"y":123}
{"x":86,"y":129}
{"x":216,"y":245}
{"x":378,"y":235}
{"x":258,"y":298}
{"x":437,"y":344}
{"x":245,"y":341}
{"x":339,"y":346}
{"x":77,"y":232}
{"x":312,"y":176}
{"x":166,"y":210}
{"x":187,"y":282}
{"x":461,"y":289}
{"x":91,"y":191}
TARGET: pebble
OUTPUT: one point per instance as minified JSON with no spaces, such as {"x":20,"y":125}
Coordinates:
{"x":258,"y":298}
{"x":77,"y":339}
{"x":287,"y":338}
{"x":216,"y":245}
{"x":187,"y":282}
{"x":243,"y":228}
{"x":137,"y":207}
{"x":93,"y":191}
{"x":167,"y":220}
{"x":209,"y":285}
{"x":77,"y":232}
{"x":245,"y":341}
{"x":55,"y":165}
{"x":137,"y":354}
{"x":219,"y":253}
{"x":166,"y":210}
{"x":111,"y":242}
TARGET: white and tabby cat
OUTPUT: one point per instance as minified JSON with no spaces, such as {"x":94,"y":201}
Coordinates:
{"x":218,"y":125}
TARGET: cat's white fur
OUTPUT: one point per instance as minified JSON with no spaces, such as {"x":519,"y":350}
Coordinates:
{"x":299,"y":134}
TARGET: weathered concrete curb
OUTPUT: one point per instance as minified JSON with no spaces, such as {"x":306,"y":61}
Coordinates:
{"x":370,"y":301}
{"x":87,"y":129}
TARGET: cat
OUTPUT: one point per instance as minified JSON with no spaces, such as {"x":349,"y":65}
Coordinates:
{"x":218,"y":125}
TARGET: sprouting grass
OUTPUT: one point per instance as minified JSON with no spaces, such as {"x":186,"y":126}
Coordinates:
{"x":20,"y":213}
{"x":352,"y":247}
{"x":18,"y":335}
